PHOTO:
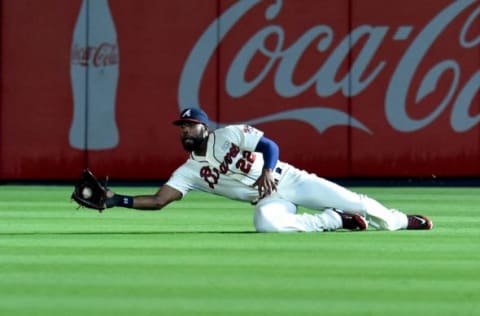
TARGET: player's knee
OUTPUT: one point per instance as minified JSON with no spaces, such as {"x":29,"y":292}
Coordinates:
{"x":263,"y":221}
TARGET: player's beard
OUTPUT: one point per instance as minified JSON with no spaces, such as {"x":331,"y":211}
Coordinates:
{"x":193,"y":143}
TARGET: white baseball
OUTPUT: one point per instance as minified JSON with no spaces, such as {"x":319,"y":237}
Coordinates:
{"x":87,"y":192}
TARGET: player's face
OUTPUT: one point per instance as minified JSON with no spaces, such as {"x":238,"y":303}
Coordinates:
{"x":192,"y":136}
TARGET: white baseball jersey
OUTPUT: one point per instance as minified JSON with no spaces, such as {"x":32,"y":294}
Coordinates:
{"x":229,"y":168}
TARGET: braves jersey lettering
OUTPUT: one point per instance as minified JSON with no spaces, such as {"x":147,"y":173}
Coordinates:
{"x":227,"y":160}
{"x":244,"y":164}
{"x":210,"y":177}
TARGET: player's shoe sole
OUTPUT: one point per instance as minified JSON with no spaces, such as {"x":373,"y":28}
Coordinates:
{"x":419,"y":222}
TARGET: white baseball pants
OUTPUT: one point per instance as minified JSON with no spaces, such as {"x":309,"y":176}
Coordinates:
{"x":278,"y":213}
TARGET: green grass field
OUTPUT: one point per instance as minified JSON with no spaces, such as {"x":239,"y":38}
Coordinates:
{"x":202,"y":257}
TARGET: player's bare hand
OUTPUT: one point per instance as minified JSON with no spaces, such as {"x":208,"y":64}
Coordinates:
{"x":265,"y":183}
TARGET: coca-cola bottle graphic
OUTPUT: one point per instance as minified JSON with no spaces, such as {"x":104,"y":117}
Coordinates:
{"x":94,"y":75}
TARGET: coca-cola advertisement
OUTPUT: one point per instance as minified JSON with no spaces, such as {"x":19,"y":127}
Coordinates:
{"x":346,"y":88}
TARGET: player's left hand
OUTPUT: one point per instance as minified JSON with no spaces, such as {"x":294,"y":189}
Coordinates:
{"x":90,"y":192}
{"x":265,"y":183}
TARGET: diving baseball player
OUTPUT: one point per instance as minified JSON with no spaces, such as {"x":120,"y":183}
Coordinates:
{"x":239,"y":162}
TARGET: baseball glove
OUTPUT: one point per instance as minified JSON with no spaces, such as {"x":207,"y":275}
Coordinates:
{"x":90,"y":192}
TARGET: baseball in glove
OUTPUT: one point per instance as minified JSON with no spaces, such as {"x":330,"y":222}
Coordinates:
{"x":90,"y":192}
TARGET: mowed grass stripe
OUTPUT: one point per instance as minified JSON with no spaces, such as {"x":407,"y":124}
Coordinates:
{"x":253,"y":305}
{"x":232,"y":268}
{"x":191,"y":286}
{"x":201,"y":257}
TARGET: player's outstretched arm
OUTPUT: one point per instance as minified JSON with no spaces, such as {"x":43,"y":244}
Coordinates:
{"x":154,"y":202}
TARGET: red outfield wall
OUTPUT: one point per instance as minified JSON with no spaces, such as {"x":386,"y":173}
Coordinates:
{"x":347,"y":88}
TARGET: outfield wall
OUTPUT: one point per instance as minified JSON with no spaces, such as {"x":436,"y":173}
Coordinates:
{"x":347,"y":88}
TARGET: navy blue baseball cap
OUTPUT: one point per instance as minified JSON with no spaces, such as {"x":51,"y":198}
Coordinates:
{"x":192,"y":115}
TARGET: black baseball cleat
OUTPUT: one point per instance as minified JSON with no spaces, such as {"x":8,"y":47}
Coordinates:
{"x":353,"y":221}
{"x":419,"y":222}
